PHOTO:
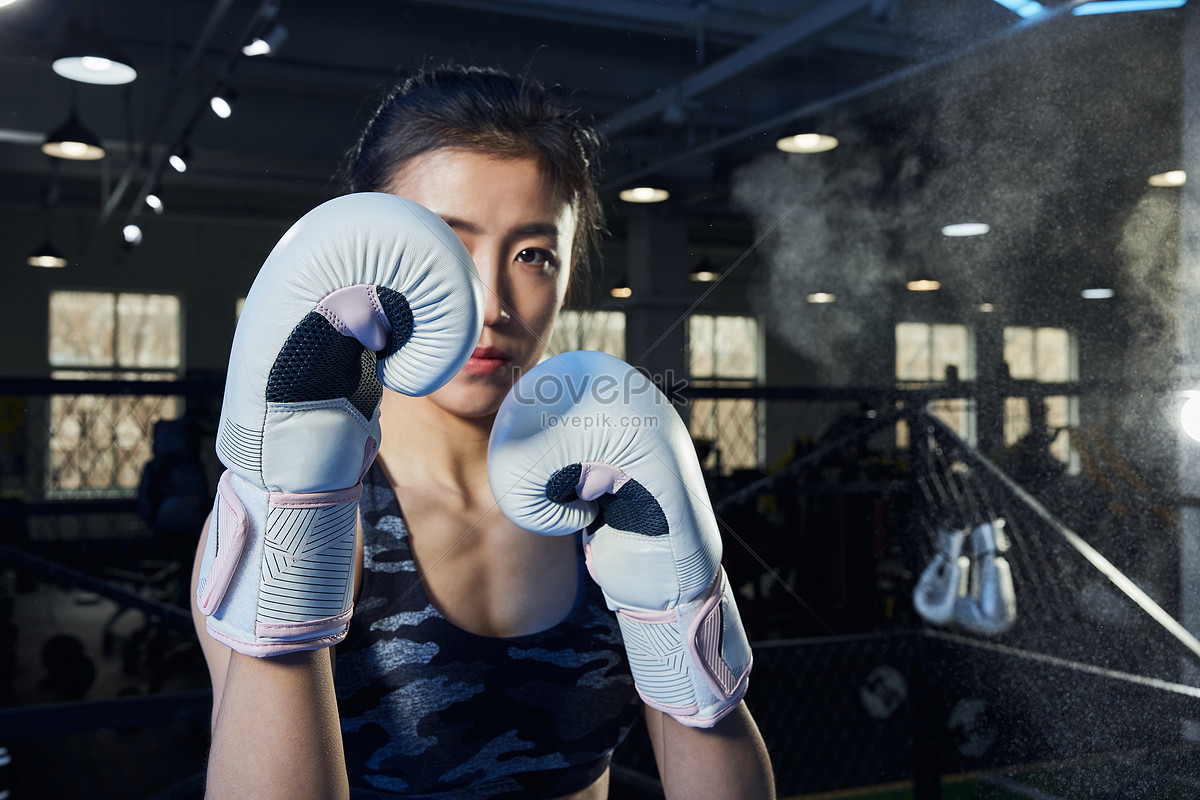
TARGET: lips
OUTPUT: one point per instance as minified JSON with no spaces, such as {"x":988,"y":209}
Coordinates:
{"x":485,"y":361}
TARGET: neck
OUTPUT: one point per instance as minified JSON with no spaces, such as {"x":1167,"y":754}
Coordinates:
{"x":423,"y":444}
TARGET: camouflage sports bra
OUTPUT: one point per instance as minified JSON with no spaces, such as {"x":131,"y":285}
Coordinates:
{"x":429,"y":710}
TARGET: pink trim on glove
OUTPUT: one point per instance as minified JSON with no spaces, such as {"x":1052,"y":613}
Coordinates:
{"x":230,"y":541}
{"x":315,"y":499}
{"x":587,"y":556}
{"x":266,"y":649}
{"x":650,"y":617}
{"x":706,"y":722}
{"x":596,"y":479}
{"x":308,"y":629}
{"x":355,"y":311}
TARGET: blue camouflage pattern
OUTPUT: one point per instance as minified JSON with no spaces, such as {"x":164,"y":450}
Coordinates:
{"x":429,"y":710}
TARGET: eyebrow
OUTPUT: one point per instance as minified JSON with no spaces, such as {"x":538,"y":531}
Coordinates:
{"x":532,"y":229}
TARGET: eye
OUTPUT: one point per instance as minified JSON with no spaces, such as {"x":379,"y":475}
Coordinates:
{"x":537,"y":256}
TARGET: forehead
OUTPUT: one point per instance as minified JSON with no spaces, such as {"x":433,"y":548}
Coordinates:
{"x":484,"y":189}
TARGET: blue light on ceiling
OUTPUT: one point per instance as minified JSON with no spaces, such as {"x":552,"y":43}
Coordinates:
{"x":1023,"y":8}
{"x":1120,"y":6}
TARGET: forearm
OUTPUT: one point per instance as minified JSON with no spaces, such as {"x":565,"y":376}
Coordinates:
{"x":276,"y":733}
{"x":727,"y":760}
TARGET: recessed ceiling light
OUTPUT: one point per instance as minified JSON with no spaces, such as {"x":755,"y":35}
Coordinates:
{"x":966,"y":229}
{"x":1175,"y":177}
{"x":821,"y":297}
{"x":644,"y":194}
{"x":1097,"y":294}
{"x":923,"y":286}
{"x":986,"y":308}
{"x":807,"y":143}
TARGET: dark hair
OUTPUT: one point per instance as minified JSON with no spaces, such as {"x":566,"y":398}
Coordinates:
{"x":490,"y":111}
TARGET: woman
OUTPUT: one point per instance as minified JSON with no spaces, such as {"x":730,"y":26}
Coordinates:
{"x":481,"y":661}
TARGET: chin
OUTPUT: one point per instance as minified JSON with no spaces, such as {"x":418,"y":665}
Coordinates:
{"x":473,"y":396}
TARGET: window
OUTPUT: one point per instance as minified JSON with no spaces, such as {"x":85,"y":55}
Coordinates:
{"x":1045,"y":355}
{"x":725,"y":351}
{"x":926,"y":354}
{"x":98,"y":444}
{"x":588,"y":330}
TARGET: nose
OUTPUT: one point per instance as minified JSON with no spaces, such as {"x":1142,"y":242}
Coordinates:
{"x":496,"y":295}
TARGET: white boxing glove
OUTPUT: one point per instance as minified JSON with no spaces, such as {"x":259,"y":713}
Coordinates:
{"x":943,"y":581}
{"x":990,"y":605}
{"x":364,"y":288}
{"x":584,"y":437}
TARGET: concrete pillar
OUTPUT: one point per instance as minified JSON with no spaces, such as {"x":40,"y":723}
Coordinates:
{"x":657,"y":265}
{"x":1189,"y":329}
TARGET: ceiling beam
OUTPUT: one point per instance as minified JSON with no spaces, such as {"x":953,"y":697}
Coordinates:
{"x":755,"y":54}
{"x":671,"y":20}
{"x":823,"y":105}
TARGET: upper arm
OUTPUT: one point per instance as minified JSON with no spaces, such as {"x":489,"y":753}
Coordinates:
{"x":216,"y":654}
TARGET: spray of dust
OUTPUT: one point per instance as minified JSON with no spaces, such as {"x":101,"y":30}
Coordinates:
{"x":1032,"y":136}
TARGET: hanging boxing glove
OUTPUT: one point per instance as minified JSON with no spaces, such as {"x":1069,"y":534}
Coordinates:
{"x":943,"y":580}
{"x":584,"y":437}
{"x":364,"y":289}
{"x":990,"y":606}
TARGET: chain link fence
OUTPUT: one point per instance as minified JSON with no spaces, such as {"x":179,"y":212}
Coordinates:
{"x":826,"y":531}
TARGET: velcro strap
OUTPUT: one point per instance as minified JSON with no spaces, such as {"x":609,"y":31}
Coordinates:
{"x":315,"y":499}
{"x":228,"y":539}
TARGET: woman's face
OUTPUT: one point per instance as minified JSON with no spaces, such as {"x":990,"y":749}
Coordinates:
{"x":520,"y":235}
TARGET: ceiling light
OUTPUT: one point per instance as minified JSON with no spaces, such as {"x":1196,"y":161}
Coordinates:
{"x":89,"y":57}
{"x":155,"y":202}
{"x":704,"y":272}
{"x":923,"y":286}
{"x":1119,"y":6}
{"x":1022,"y":8}
{"x":222,"y":102}
{"x":132,"y":234}
{"x":72,"y":140}
{"x":644,"y":194}
{"x":1189,"y":416}
{"x":46,"y":255}
{"x":621,"y":289}
{"x":986,"y":308}
{"x":807,"y":143}
{"x":966,"y":229}
{"x":1175,"y":177}
{"x":180,"y":159}
{"x":268,"y":43}
{"x":1097,"y":294}
{"x":821,"y":297}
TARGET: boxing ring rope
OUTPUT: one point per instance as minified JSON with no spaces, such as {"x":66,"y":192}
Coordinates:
{"x":830,"y":669}
{"x":1098,"y":561}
